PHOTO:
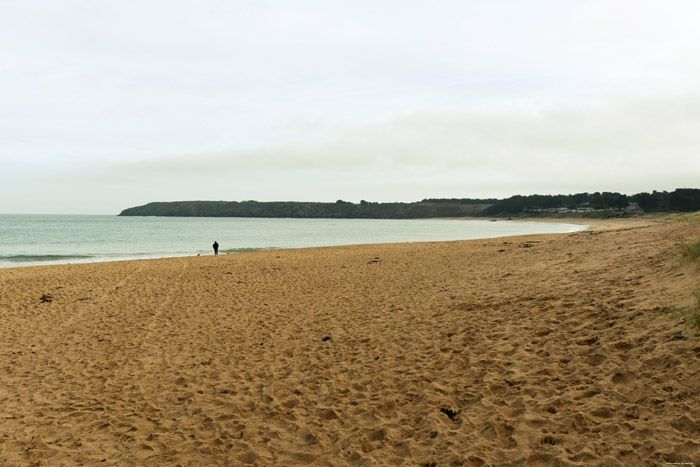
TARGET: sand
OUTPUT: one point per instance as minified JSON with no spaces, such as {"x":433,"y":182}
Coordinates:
{"x":537,"y":350}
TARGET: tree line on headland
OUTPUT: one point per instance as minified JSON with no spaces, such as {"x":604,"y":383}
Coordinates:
{"x":679,"y":200}
{"x":338,"y":210}
{"x":582,"y":204}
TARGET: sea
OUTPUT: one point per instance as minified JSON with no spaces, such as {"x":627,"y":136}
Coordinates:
{"x":29,"y":239}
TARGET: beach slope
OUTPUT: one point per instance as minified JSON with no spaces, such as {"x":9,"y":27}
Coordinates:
{"x":538,"y":350}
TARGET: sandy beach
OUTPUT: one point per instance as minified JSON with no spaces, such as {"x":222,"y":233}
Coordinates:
{"x":535,"y":351}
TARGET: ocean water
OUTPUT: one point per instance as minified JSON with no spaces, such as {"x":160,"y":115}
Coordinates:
{"x":27,"y":240}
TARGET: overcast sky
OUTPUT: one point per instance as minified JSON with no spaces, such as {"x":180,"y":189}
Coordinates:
{"x":106,"y":105}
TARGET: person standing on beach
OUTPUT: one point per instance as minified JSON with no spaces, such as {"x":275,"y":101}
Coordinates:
{"x":216,"y":248}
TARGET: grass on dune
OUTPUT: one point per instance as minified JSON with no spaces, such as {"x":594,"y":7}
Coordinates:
{"x":688,"y":315}
{"x":690,"y":253}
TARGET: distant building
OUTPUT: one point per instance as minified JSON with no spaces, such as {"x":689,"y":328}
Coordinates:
{"x":584,"y":207}
{"x":633,"y":207}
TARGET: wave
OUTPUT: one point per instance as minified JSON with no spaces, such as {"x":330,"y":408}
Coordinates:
{"x":39,"y":258}
{"x":245,"y":250}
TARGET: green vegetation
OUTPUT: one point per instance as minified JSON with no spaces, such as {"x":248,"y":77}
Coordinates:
{"x":689,"y":315}
{"x":680,"y":200}
{"x":595,"y":205}
{"x":690,"y":251}
{"x":338,"y":210}
{"x":684,"y":217}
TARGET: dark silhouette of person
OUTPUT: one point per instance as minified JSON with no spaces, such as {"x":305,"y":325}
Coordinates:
{"x":216,"y":248}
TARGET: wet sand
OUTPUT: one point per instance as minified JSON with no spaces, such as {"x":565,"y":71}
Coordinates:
{"x":536,"y":350}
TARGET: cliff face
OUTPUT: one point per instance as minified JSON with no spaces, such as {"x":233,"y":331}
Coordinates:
{"x":339,"y":209}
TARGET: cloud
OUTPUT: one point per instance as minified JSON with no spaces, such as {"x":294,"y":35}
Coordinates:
{"x":625,"y":139}
{"x":628,"y":146}
{"x":318,"y":100}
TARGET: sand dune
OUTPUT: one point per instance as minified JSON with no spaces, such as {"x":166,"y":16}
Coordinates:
{"x":538,"y":350}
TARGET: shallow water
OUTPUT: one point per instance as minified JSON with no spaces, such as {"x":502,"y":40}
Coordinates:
{"x":57,"y":239}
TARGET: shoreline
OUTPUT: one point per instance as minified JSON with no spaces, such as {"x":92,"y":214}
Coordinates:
{"x":32,"y":261}
{"x":538,"y":349}
{"x":593,"y":223}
